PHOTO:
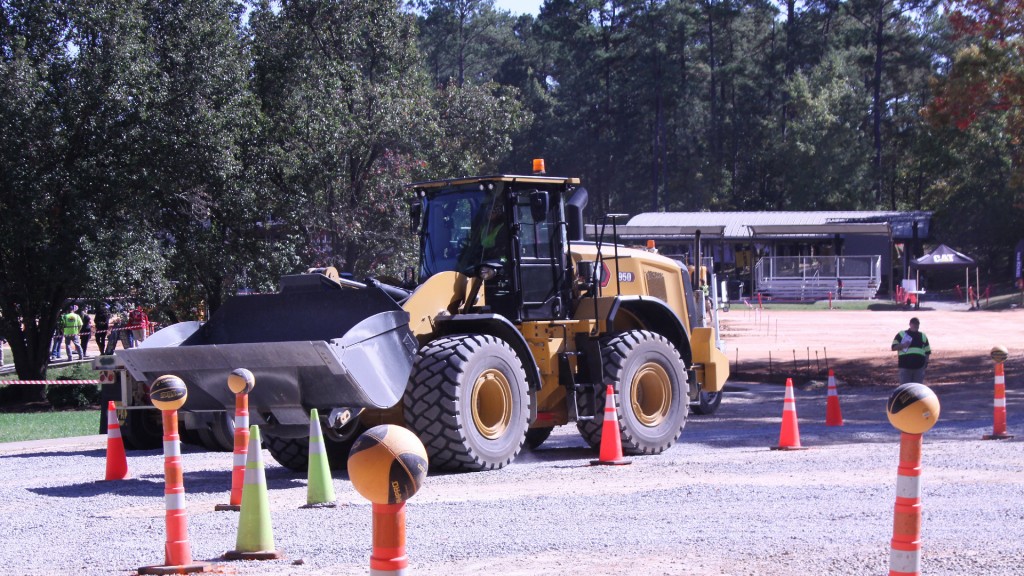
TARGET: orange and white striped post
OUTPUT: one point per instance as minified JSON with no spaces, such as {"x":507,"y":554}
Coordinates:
{"x":905,"y":554}
{"x":168,"y":394}
{"x":241,"y":382}
{"x":912,"y":409}
{"x":999,"y":407}
{"x":388,"y":557}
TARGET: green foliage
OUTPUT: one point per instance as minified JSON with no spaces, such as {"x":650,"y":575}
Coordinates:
{"x":465,"y":41}
{"x":64,"y":396}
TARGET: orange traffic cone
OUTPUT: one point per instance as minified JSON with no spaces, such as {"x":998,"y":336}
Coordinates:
{"x":833,"y":414}
{"x":117,"y":461}
{"x":611,"y":442}
{"x":789,"y":435}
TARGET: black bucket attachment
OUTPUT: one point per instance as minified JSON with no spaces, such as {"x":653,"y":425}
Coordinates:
{"x":313,"y":345}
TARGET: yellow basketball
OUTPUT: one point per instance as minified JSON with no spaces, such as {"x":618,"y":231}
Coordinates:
{"x":387,"y":464}
{"x":241,"y":381}
{"x":999,"y":354}
{"x":168,"y":393}
{"x":913,"y":408}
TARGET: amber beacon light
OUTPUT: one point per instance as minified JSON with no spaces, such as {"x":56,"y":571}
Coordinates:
{"x":538,"y":166}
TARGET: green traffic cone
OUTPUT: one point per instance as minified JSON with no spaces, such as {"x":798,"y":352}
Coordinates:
{"x":320,"y":489}
{"x":255,"y":534}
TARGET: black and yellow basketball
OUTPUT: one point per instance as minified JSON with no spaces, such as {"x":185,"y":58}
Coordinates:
{"x":241,"y":381}
{"x":168,"y":393}
{"x":387,"y":464}
{"x":999,"y":354}
{"x":913,"y":408}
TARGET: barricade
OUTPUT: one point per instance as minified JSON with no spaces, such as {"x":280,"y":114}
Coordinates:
{"x":48,"y":382}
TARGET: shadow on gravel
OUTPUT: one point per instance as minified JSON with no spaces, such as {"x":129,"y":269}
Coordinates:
{"x":128,"y":487}
{"x":199,"y":482}
{"x":558,"y":454}
{"x":48,"y":453}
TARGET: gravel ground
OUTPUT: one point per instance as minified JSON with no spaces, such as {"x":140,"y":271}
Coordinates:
{"x":718,"y":503}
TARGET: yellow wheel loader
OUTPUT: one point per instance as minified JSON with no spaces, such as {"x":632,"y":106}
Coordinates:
{"x":515,"y":326}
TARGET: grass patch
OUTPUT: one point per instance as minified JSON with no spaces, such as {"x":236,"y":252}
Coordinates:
{"x":18,"y":427}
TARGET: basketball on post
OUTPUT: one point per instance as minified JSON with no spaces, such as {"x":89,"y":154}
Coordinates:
{"x":241,"y":381}
{"x":168,"y":393}
{"x":387,"y":464}
{"x":999,"y":354}
{"x":913,"y":408}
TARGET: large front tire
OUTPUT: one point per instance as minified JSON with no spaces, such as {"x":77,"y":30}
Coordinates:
{"x":468,"y":402}
{"x":650,"y":380}
{"x":142,"y":430}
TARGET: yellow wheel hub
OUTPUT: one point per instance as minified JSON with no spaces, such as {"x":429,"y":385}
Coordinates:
{"x":492,"y":404}
{"x":651,"y":394}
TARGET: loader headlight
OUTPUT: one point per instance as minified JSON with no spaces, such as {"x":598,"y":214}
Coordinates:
{"x":487,"y":273}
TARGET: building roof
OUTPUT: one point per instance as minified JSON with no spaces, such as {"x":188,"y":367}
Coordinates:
{"x":746,"y":225}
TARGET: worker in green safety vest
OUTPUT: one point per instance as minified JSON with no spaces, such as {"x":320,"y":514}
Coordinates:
{"x":490,"y":237}
{"x":913,"y":352}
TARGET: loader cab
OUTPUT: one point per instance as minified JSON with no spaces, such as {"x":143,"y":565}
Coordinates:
{"x":507,"y":230}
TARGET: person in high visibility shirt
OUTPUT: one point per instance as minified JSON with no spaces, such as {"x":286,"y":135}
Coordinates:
{"x":489,"y":240}
{"x":913,"y":352}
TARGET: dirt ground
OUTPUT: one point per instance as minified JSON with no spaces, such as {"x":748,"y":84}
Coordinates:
{"x":771,"y":345}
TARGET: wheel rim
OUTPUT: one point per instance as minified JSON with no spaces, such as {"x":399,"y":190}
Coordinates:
{"x":492,"y":404}
{"x":651,"y":394}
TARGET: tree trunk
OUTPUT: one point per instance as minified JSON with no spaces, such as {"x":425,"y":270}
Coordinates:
{"x":31,"y":351}
{"x":876,"y":101}
{"x":657,"y":147}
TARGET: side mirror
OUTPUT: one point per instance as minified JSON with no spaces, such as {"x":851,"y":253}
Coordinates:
{"x":589,"y":271}
{"x":539,"y":205}
{"x":415,"y":214}
{"x":574,"y":214}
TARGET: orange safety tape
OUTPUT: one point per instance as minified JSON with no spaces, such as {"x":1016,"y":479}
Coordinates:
{"x":9,"y":382}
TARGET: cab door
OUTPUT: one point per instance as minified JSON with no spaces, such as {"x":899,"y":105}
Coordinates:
{"x":539,"y":245}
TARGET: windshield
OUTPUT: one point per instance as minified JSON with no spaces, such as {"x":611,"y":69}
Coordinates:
{"x":455,"y":224}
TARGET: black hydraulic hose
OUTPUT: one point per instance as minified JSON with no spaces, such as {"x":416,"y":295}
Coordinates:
{"x":396,"y":293}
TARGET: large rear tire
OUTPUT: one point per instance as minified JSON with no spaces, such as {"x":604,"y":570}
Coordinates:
{"x":218,"y":433}
{"x":468,"y":402}
{"x":707,"y":404}
{"x":650,"y":380}
{"x":293,"y":453}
